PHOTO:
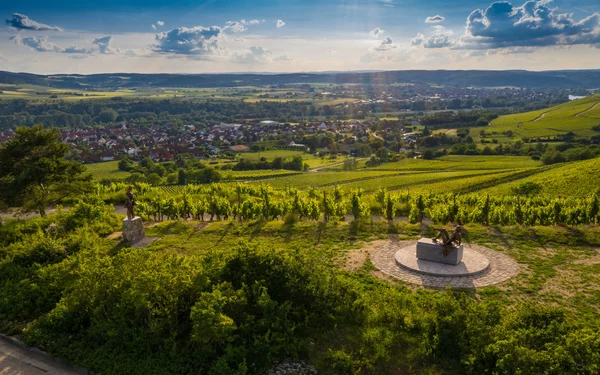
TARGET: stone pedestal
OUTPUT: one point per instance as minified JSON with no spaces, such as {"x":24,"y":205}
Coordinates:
{"x":133,"y":230}
{"x":429,"y":250}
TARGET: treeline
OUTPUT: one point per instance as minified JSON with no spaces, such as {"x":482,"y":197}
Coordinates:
{"x":145,"y":113}
{"x":293,"y":164}
{"x":458,"y":120}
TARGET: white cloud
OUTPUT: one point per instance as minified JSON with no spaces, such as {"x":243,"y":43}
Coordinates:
{"x":376,"y":32}
{"x":199,"y":41}
{"x":418,"y":40}
{"x":22,"y":22}
{"x":282,"y":58}
{"x":533,"y":24}
{"x":435,"y":19}
{"x":386,"y":45}
{"x":433,"y":41}
{"x":160,"y":23}
{"x":279,"y":24}
{"x":252,"y":55}
{"x":236,"y":27}
{"x":241,"y":26}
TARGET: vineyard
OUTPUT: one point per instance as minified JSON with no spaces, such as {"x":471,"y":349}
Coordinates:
{"x":249,"y":202}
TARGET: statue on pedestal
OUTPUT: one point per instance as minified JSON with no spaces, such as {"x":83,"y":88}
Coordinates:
{"x":130,"y":203}
{"x":449,"y":241}
{"x":133,"y":227}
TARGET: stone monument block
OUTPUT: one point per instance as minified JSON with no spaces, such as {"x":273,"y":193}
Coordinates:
{"x":133,"y":230}
{"x":432,"y":251}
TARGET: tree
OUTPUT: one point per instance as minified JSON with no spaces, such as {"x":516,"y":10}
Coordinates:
{"x":107,"y":115}
{"x":34,"y":173}
{"x":428,"y":154}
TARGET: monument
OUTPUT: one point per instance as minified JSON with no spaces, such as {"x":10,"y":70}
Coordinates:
{"x":444,"y":248}
{"x":133,"y":227}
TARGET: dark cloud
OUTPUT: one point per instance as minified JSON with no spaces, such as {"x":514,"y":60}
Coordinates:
{"x":503,"y":25}
{"x":22,"y":22}
{"x":202,"y":42}
{"x":386,"y":45}
{"x":103,"y":46}
{"x":100,"y":45}
{"x":435,"y":19}
{"x":38,"y":44}
{"x":376,"y":32}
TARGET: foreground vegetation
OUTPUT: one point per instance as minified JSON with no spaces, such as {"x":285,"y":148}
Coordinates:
{"x":218,"y":300}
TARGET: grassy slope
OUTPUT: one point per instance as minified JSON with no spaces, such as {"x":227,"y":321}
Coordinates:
{"x":571,"y":179}
{"x":571,"y":116}
{"x":108,"y":169}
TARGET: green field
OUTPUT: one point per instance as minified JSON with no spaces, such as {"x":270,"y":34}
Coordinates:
{"x":578,"y":116}
{"x":107,"y":170}
{"x":461,"y":162}
{"x":577,"y":179}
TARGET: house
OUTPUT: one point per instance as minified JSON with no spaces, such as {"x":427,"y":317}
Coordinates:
{"x":107,"y":156}
{"x":239,"y":148}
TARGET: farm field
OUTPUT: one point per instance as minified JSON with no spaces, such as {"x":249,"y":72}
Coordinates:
{"x":247,"y":93}
{"x":578,"y":116}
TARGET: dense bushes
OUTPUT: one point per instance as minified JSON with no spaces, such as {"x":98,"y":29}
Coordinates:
{"x":236,"y":311}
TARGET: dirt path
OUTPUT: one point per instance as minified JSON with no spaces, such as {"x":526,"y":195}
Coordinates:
{"x":587,"y":110}
{"x":540,"y":117}
{"x":17,"y":359}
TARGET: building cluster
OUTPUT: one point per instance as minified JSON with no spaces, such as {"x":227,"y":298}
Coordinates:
{"x":164,"y":143}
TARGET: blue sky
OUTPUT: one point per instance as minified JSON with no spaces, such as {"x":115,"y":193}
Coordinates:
{"x":65,"y":36}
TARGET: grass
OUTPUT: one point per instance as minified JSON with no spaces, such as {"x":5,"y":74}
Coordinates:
{"x":107,"y":170}
{"x":558,"y":266}
{"x":571,"y":179}
{"x":578,"y":116}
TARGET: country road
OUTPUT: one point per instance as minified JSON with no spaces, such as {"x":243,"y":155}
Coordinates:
{"x":16,"y":359}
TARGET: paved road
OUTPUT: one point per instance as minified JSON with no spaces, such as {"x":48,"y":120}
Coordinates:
{"x":17,"y":360}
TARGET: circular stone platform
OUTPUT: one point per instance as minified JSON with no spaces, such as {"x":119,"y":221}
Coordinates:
{"x":500,"y":267}
{"x":472,"y":263}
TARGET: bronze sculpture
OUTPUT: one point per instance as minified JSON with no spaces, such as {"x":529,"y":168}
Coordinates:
{"x":129,"y":203}
{"x":449,"y":241}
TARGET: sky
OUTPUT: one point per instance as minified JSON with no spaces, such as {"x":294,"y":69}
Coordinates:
{"x":215,"y":36}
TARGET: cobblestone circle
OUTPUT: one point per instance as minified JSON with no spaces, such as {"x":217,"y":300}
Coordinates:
{"x":501,"y":269}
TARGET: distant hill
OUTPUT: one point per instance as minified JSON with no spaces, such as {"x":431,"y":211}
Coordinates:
{"x":578,"y":116}
{"x":458,"y":78}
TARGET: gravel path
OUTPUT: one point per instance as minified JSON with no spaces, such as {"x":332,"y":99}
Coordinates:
{"x":502,"y":268}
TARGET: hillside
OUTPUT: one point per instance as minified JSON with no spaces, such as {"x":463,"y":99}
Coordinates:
{"x":477,"y":78}
{"x":576,"y":179}
{"x":578,"y":116}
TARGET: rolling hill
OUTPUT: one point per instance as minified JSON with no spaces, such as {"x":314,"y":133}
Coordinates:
{"x":460,"y":78}
{"x":578,"y":116}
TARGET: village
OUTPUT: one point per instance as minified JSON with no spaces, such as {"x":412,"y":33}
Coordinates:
{"x":165,"y":143}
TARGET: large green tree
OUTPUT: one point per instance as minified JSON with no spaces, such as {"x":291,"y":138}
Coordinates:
{"x":34,"y":173}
